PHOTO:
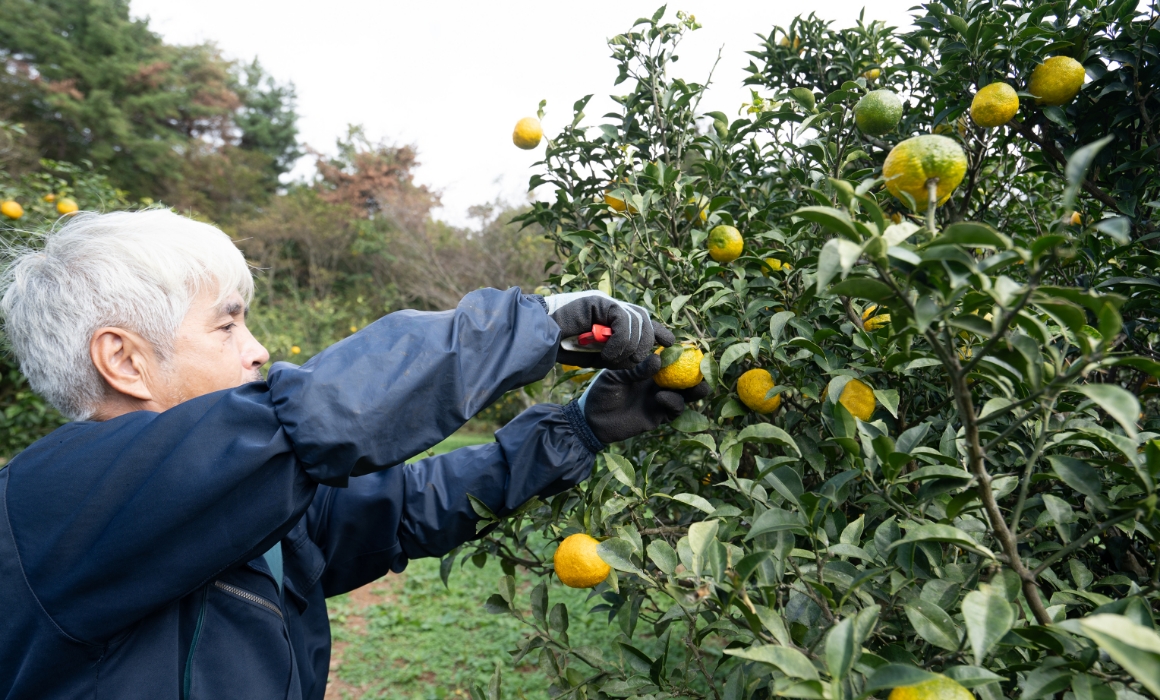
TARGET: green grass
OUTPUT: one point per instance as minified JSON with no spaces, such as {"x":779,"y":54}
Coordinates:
{"x":408,"y":637}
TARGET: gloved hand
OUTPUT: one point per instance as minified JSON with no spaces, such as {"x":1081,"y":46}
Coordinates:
{"x":620,"y":404}
{"x":634,"y":334}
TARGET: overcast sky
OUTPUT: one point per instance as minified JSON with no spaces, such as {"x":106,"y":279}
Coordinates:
{"x":452,"y":78}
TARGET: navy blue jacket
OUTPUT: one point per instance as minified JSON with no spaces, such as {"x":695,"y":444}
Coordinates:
{"x":130,"y":550}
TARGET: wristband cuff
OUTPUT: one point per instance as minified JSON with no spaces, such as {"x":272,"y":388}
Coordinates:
{"x":575,"y":416}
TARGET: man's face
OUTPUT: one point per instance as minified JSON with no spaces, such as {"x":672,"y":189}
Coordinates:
{"x":213,"y":350}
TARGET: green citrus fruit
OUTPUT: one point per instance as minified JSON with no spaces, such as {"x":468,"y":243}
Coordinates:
{"x":878,"y":112}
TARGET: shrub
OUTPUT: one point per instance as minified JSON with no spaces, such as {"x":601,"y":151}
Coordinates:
{"x":994,"y":518}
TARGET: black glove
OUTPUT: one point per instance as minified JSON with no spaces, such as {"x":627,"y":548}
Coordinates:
{"x":620,"y":404}
{"x":634,"y":334}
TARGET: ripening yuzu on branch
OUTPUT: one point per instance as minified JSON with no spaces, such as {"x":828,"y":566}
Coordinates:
{"x":941,"y":688}
{"x":579,"y":378}
{"x":776,"y":265}
{"x":11,"y":209}
{"x":66,"y":206}
{"x":752,"y":388}
{"x":858,"y":399}
{"x":994,"y":105}
{"x":1056,"y":81}
{"x":878,"y":112}
{"x":697,"y":208}
{"x":685,"y":373}
{"x":577,"y":563}
{"x":872,"y":74}
{"x":725,"y":243}
{"x":528,"y":133}
{"x":871,"y":322}
{"x":911,"y":163}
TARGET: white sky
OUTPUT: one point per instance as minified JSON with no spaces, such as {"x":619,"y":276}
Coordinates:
{"x":452,"y":78}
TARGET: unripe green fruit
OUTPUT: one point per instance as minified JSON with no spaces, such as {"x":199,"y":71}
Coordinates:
{"x":878,"y":112}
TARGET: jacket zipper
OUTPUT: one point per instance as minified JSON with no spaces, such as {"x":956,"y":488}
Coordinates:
{"x":250,"y":597}
{"x":193,"y":644}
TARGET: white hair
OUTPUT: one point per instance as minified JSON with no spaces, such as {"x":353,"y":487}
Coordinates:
{"x":134,"y":270}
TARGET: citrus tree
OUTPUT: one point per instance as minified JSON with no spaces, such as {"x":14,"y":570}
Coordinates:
{"x":929,"y":461}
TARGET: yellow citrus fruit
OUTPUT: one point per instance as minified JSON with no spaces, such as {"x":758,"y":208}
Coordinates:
{"x":50,"y":198}
{"x":878,"y":112}
{"x":528,"y":133}
{"x":66,"y":206}
{"x":775,"y":264}
{"x":577,"y":563}
{"x":872,"y":74}
{"x":294,"y":349}
{"x":858,"y":399}
{"x":697,"y":207}
{"x":941,"y":688}
{"x":994,"y":105}
{"x":871,"y":322}
{"x":914,"y":161}
{"x":725,"y":244}
{"x":685,"y":373}
{"x":1076,"y":218}
{"x":579,"y":378}
{"x":615,"y":202}
{"x":1056,"y":81}
{"x":11,"y":209}
{"x":797,"y":43}
{"x":752,"y":388}
{"x":896,"y":217}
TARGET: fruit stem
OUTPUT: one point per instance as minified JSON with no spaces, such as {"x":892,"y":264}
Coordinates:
{"x":931,"y":203}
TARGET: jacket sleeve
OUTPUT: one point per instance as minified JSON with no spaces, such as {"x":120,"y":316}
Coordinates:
{"x":410,"y":379}
{"x":113,"y":520}
{"x":383,"y":520}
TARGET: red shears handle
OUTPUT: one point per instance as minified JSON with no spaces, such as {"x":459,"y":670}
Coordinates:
{"x":598,"y":334}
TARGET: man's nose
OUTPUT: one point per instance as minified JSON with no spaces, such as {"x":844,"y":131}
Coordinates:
{"x":254,"y":354}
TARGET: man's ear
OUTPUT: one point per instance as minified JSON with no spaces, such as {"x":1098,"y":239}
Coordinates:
{"x":124,"y":360}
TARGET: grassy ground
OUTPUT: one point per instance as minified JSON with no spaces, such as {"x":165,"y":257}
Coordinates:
{"x":408,"y":637}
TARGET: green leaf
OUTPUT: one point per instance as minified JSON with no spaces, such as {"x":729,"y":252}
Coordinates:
{"x":830,"y":218}
{"x":789,"y":661}
{"x":863,"y":288}
{"x":496,"y":605}
{"x":895,"y":676}
{"x":1131,"y":645}
{"x":701,"y":536}
{"x":1122,"y":406}
{"x":971,"y":234}
{"x":972,"y":676}
{"x":1088,"y":687}
{"x":768,"y":433}
{"x":988,"y":617}
{"x":734,"y":353}
{"x":1118,"y":227}
{"x":617,"y":553}
{"x":621,"y":468}
{"x":696,"y":501}
{"x":777,"y":520}
{"x":663,"y":555}
{"x":1077,"y":167}
{"x":942,"y":533}
{"x":889,"y":400}
{"x":838,"y":255}
{"x":777,"y":323}
{"x":842,"y":648}
{"x":932,"y":624}
{"x":710,"y":371}
{"x":1077,"y":474}
{"x":691,"y":421}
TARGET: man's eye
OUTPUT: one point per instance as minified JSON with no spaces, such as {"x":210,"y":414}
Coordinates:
{"x":228,"y":327}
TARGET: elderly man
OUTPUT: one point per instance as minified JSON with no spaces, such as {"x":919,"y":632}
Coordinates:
{"x":179,"y":538}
